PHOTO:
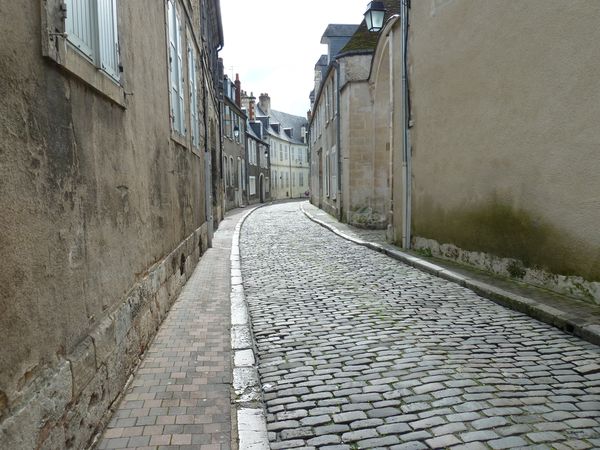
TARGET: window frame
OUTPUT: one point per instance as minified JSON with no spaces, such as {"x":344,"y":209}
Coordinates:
{"x":176,"y":70}
{"x":193,"y":94}
{"x":57,"y":46}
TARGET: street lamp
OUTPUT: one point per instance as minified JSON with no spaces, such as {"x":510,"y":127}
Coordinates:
{"x":374,"y":16}
{"x":236,"y":132}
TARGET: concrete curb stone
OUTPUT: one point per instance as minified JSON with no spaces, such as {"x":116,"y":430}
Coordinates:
{"x":249,"y":405}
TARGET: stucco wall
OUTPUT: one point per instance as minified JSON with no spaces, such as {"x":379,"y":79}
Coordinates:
{"x":506,"y":97}
{"x":102,"y":220}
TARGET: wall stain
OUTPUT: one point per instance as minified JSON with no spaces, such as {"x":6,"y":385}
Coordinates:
{"x":500,"y":229}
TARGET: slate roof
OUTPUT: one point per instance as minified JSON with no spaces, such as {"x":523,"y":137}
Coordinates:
{"x":284,"y":120}
{"x":253,"y":130}
{"x":322,"y":61}
{"x":338,"y":30}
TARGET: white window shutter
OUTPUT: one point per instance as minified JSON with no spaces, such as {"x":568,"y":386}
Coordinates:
{"x":193,"y":94}
{"x":333,"y":168}
{"x":80,"y":26}
{"x":107,"y":36}
{"x":180,"y":76}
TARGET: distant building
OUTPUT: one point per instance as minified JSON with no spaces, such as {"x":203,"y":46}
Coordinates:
{"x":234,"y":145}
{"x":289,"y":156}
{"x":257,"y":155}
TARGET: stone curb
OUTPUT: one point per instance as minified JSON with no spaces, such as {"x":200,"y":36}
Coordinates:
{"x":544,"y":313}
{"x":249,"y":405}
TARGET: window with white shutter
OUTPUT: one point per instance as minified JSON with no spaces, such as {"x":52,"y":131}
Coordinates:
{"x":91,"y":27}
{"x":326,"y":175}
{"x":176,"y":69}
{"x":333,"y":170}
{"x":193,"y":87}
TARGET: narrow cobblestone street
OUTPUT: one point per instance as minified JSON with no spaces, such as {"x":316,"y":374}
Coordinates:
{"x":357,"y":350}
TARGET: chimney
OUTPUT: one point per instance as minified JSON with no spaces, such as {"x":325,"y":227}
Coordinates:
{"x":251,"y":102}
{"x":264,"y":102}
{"x":238,"y":90}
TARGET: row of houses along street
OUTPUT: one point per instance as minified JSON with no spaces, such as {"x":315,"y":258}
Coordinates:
{"x":123,"y":145}
{"x":146,"y":301}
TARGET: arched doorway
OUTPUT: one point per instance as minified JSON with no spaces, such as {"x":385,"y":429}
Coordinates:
{"x":261,"y":187}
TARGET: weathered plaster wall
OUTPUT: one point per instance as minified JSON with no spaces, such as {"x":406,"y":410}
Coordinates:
{"x":102,"y":221}
{"x":506,"y":97}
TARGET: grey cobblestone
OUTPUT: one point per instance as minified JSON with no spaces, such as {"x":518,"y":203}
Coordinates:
{"x":341,"y":329}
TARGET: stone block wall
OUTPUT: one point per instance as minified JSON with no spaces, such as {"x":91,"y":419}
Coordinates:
{"x":67,"y":404}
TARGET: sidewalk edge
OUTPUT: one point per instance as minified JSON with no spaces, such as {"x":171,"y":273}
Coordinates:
{"x":532,"y":308}
{"x":250,"y":410}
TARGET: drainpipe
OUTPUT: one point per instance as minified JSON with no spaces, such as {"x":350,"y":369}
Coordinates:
{"x":406,"y":150}
{"x":338,"y":140}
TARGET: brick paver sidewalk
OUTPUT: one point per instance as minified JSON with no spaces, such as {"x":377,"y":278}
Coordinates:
{"x":180,"y":397}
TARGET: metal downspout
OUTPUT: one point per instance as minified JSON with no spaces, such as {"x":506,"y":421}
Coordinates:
{"x":406,"y":152}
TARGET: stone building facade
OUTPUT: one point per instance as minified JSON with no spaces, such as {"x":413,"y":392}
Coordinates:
{"x":109,"y":142}
{"x":350,"y":174}
{"x":487,"y":156}
{"x":234,"y":145}
{"x":289,"y":158}
{"x":258,"y":156}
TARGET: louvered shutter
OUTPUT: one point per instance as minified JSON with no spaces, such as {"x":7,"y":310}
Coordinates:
{"x":80,"y":26}
{"x":193,"y":95}
{"x":107,"y":36}
{"x":180,"y":74}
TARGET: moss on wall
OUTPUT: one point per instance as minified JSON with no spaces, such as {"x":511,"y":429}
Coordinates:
{"x":498,"y":228}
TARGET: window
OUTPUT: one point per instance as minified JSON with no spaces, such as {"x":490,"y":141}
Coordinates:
{"x":193,"y":95}
{"x":301,"y":179}
{"x":91,"y":27}
{"x":224,"y":171}
{"x":333,"y":170}
{"x":239,"y":172}
{"x":287,"y":180}
{"x":335,"y":97}
{"x":231,"y":172}
{"x":243,"y":174}
{"x":275,"y":179}
{"x":280,"y":152}
{"x":267,"y":186}
{"x":227,"y":128}
{"x":293,"y":179}
{"x":326,"y":175}
{"x":327,"y":100}
{"x":263,"y":158}
{"x":237,"y":125}
{"x":300,"y":156}
{"x":176,"y":69}
{"x":252,"y":153}
{"x":252,"y":185}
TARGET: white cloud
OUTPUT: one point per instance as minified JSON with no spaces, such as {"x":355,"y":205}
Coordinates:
{"x":274,"y":44}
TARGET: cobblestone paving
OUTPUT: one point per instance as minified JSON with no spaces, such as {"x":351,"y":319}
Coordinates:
{"x":357,"y":350}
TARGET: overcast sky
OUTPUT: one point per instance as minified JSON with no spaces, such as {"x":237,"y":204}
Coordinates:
{"x":274,"y":44}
